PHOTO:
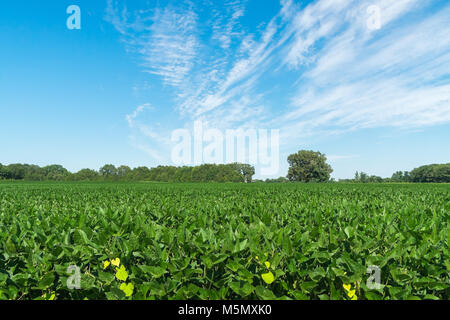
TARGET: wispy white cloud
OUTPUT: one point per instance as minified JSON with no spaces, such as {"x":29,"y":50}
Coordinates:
{"x":130,"y":117}
{"x":159,"y":139}
{"x":154,"y":153}
{"x":360,"y":79}
{"x":165,"y":38}
{"x":172,"y":45}
{"x":226,"y":26}
{"x":335,"y":74}
{"x":204,"y":75}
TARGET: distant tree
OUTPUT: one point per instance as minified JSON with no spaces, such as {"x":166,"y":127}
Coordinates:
{"x":124,"y":172}
{"x":108,"y":171}
{"x":397,"y":176}
{"x":55,"y":172}
{"x":17,"y":171}
{"x":183,"y":174}
{"x":246,"y":170}
{"x":278,"y":180}
{"x":406,"y":176}
{"x":162,"y":174}
{"x":228,"y":173}
{"x":4,"y":172}
{"x":141,"y":174}
{"x":346,"y":180}
{"x":85,"y":175}
{"x":33,"y":173}
{"x":363,"y":177}
{"x":308,"y":166}
{"x":401,"y":176}
{"x":203,"y":173}
{"x":357,"y":176}
{"x":375,"y":179}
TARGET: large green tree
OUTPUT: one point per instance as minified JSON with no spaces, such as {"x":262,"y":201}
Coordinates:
{"x":432,"y":173}
{"x":308,"y":166}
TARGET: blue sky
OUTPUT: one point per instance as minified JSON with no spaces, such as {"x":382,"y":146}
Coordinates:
{"x":373,"y":100}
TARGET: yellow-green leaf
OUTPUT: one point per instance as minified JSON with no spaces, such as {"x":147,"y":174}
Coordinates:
{"x":121,"y":273}
{"x":115,"y":262}
{"x":127,"y":289}
{"x":268,"y":277}
{"x":351,"y":293}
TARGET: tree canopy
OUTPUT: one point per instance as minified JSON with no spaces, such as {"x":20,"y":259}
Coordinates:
{"x":432,"y":173}
{"x":308,"y":166}
{"x":305,"y":166}
{"x":363,"y":177}
{"x":234,"y":172}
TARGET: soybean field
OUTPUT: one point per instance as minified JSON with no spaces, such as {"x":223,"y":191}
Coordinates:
{"x":161,"y":241}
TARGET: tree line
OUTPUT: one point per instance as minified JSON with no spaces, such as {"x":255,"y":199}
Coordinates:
{"x":433,"y":173}
{"x":304,"y":166}
{"x":309,"y":166}
{"x":235,"y":172}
